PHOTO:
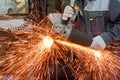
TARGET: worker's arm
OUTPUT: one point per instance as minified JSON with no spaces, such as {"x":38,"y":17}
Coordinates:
{"x":112,"y":33}
{"x":106,"y":38}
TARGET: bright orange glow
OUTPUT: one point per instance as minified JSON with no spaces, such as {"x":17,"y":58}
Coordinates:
{"x":46,"y":53}
{"x":98,"y":54}
{"x":48,"y":41}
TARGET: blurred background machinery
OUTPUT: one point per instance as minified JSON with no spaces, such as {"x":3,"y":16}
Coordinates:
{"x":56,"y":5}
{"x":43,"y":7}
{"x":15,"y":14}
{"x":38,"y":9}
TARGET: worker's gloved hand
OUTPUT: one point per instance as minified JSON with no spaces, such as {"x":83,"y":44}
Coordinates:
{"x":68,"y":13}
{"x":58,"y":27}
{"x":98,"y":43}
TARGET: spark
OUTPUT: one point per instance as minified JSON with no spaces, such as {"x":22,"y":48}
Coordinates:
{"x":44,"y":55}
{"x":92,"y":64}
{"x":97,"y":54}
{"x":48,"y":41}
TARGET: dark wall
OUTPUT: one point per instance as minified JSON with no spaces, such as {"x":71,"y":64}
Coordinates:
{"x":56,"y":5}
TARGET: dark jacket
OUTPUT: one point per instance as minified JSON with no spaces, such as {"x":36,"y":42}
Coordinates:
{"x":100,"y":17}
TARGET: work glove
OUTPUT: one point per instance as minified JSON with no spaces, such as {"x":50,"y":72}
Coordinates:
{"x":58,"y":27}
{"x":69,"y":12}
{"x":98,"y":43}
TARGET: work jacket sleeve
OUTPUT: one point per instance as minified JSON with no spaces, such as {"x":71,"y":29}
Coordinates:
{"x":113,"y":23}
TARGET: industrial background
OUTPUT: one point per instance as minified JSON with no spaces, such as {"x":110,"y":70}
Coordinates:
{"x":38,"y":10}
{"x":37,"y":45}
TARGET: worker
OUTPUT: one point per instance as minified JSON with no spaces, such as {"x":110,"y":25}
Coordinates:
{"x":100,"y":19}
